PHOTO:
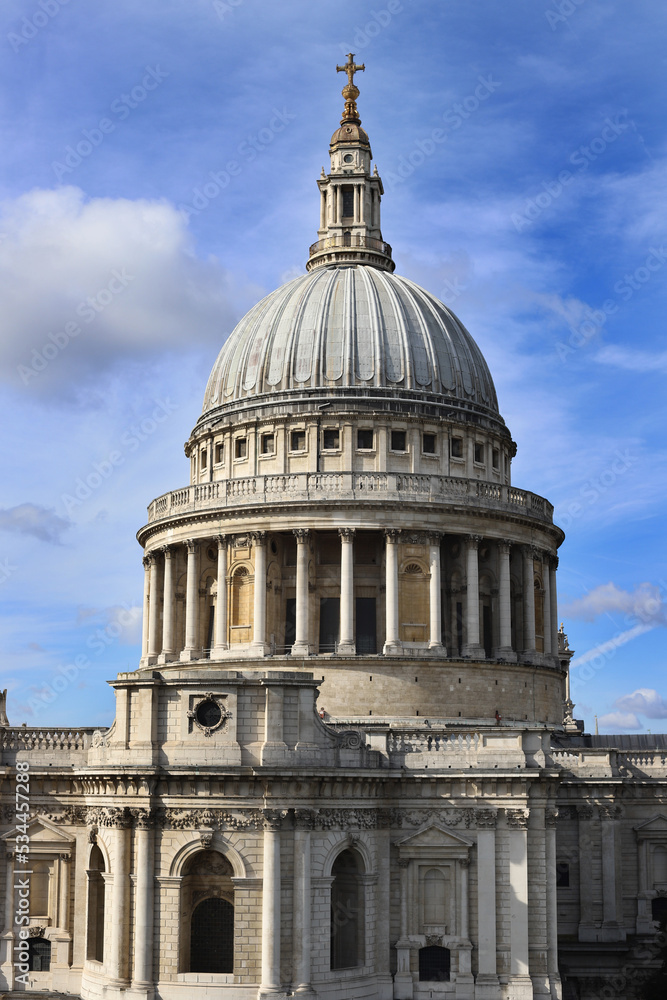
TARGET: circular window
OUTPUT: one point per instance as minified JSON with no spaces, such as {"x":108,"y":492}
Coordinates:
{"x":348,"y":158}
{"x":211,"y":553}
{"x":208,"y":713}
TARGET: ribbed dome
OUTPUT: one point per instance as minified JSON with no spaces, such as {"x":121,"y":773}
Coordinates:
{"x":350,"y":327}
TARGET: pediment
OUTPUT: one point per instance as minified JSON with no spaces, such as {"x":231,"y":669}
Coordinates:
{"x":43,"y":831}
{"x":655,"y":827}
{"x":434,"y":838}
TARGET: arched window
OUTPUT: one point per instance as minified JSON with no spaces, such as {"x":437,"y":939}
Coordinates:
{"x":434,"y":964}
{"x":207,"y":914}
{"x":95,"y":936}
{"x":39,"y":955}
{"x":413,"y":603}
{"x":212,"y":936}
{"x":435,"y":897}
{"x":347,"y":912}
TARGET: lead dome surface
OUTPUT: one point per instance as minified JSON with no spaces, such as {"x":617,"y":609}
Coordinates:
{"x":350,"y":327}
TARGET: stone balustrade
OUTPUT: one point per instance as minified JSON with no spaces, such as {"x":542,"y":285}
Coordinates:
{"x":355,"y":486}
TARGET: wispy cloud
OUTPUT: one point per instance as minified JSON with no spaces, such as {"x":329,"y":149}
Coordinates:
{"x":623,"y":722}
{"x":31,"y":519}
{"x":645,"y":603}
{"x":630,"y":360}
{"x":644,"y":701}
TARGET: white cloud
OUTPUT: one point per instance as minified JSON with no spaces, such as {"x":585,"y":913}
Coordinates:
{"x":645,"y":701}
{"x":645,"y":603}
{"x":31,"y":519}
{"x":120,"y":272}
{"x":607,"y":649}
{"x":623,"y":722}
{"x":633,"y":361}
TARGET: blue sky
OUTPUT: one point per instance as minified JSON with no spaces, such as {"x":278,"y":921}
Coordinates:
{"x":157,"y":176}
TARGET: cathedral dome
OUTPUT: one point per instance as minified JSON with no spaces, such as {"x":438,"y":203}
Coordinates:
{"x":351,"y":328}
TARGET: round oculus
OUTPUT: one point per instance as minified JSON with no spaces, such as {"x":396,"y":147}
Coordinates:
{"x":208,"y":713}
{"x":348,"y":158}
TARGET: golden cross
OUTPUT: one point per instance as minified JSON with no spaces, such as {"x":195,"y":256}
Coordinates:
{"x":350,"y":68}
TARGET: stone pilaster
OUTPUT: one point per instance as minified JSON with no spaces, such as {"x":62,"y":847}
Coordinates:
{"x":392,"y":643}
{"x":346,"y":643}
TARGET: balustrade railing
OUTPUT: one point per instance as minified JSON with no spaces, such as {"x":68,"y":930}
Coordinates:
{"x":321,"y":486}
{"x":25,"y":738}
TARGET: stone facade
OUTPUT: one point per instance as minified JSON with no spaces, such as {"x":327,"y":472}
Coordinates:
{"x":346,"y":765}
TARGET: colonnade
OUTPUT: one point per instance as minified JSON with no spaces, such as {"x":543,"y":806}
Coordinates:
{"x":159,"y":638}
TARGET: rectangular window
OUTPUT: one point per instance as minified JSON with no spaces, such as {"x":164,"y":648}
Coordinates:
{"x":495,"y":456}
{"x":428,"y":444}
{"x":348,"y":202}
{"x":219,"y":453}
{"x":364,"y":439}
{"x":330,"y":438}
{"x":457,"y":447}
{"x":479,"y":453}
{"x":268,"y":444}
{"x":398,"y":440}
{"x":298,"y":441}
{"x":204,"y":458}
{"x":240,"y":448}
{"x":562,"y":875}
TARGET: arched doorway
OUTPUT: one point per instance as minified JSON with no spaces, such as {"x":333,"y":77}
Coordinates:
{"x":347,"y":911}
{"x":207,"y":914}
{"x":39,"y":954}
{"x":95,"y":935}
{"x":434,"y":964}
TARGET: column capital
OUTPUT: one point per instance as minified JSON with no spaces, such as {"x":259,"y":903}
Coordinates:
{"x":486,"y":819}
{"x":505,"y":544}
{"x":304,"y":819}
{"x":530,"y":551}
{"x":222,"y":540}
{"x":167,"y":551}
{"x":148,"y":560}
{"x":143,"y":819}
{"x":517,"y":819}
{"x":585,"y":811}
{"x":302,"y":535}
{"x":392,"y":534}
{"x":551,"y":817}
{"x":473,"y":541}
{"x":191,"y":545}
{"x":403,"y":862}
{"x":258,"y":537}
{"x":434,"y":537}
{"x":272,"y":819}
{"x":347,"y":534}
{"x":553,"y":563}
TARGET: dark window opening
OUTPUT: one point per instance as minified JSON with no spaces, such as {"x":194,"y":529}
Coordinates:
{"x":240,"y":448}
{"x":204,"y":458}
{"x":659,"y":908}
{"x":495,"y":458}
{"x":95,"y":937}
{"x":365,"y":438}
{"x":487,"y":630}
{"x":329,"y":623}
{"x":398,"y":440}
{"x":268,"y":444}
{"x":428,"y":444}
{"x":434,"y":964}
{"x":366,"y":641}
{"x":219,"y":453}
{"x":479,"y":453}
{"x":562,"y":875}
{"x":348,"y":201}
{"x":298,"y":441}
{"x":457,"y":447}
{"x":290,"y":621}
{"x":347,"y":924}
{"x":459,"y":628}
{"x":212,"y":937}
{"x":209,"y":631}
{"x":330,"y":438}
{"x":39,"y":955}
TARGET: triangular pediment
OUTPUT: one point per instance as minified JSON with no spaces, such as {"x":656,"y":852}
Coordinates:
{"x":435,"y":837}
{"x":43,"y":831}
{"x":657,"y":824}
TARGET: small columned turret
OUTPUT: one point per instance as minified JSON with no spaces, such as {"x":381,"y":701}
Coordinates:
{"x":350,"y":195}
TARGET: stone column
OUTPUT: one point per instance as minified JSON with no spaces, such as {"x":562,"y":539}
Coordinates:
{"x":472,"y":647}
{"x":435,"y":596}
{"x":191,"y":650}
{"x":301,"y":645}
{"x":517,"y":822}
{"x":487,"y":979}
{"x":118,"y":918}
{"x":612,"y":899}
{"x":142,"y":974}
{"x":220,"y":641}
{"x":528,"y":604}
{"x":259,"y":643}
{"x":546,"y":614}
{"x":346,"y":643}
{"x":303,"y":824}
{"x":553,"y":611}
{"x":168,"y":650}
{"x":464,"y":978}
{"x":271,"y":905}
{"x":392,"y":642}
{"x":587,"y":931}
{"x":323,"y":209}
{"x":144,"y":621}
{"x":550,"y":818}
{"x":505,"y":651}
{"x":383,"y":904}
{"x":63,"y":885}
{"x":153,"y":610}
{"x":403,"y":985}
